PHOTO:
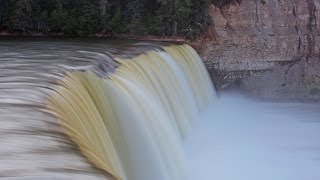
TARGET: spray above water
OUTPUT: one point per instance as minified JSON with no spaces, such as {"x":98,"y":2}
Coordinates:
{"x":131,"y":123}
{"x":239,"y":138}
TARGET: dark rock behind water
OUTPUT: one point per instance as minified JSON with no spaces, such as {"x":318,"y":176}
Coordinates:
{"x":269,"y":48}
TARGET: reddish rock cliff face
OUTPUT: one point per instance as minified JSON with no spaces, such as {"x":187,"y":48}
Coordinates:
{"x":269,"y":48}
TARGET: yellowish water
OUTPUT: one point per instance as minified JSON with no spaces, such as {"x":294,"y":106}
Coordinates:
{"x":131,"y":123}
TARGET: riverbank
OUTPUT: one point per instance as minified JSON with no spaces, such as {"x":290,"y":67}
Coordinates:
{"x":97,"y":35}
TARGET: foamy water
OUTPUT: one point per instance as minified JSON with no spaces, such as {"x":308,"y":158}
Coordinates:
{"x":242,"y":139}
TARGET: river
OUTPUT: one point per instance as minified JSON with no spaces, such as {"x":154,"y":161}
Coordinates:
{"x":235,"y":137}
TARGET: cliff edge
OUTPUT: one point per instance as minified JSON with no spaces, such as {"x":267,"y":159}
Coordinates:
{"x":269,"y":48}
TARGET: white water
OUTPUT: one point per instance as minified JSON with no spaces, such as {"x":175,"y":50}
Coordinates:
{"x":139,"y":109}
{"x":242,"y":139}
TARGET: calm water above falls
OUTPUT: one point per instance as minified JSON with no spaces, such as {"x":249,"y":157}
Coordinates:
{"x":242,"y":139}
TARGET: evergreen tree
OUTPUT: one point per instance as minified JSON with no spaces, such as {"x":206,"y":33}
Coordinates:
{"x":19,"y":16}
{"x":4,"y":7}
{"x":135,"y":12}
{"x":185,"y":18}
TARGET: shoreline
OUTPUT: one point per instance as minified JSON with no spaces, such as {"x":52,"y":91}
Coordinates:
{"x":179,"y":39}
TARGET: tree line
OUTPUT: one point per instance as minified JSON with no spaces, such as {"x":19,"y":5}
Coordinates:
{"x":85,"y":17}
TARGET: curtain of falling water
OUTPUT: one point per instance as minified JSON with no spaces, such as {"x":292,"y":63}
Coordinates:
{"x":131,"y":123}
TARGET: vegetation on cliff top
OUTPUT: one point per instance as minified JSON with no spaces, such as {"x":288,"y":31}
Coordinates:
{"x":185,"y":18}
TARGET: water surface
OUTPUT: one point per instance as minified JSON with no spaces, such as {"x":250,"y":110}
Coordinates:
{"x":242,"y":139}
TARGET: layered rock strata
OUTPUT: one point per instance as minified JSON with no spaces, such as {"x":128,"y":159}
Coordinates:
{"x":269,"y":48}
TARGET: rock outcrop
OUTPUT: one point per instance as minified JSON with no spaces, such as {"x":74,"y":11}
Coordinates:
{"x":269,"y":48}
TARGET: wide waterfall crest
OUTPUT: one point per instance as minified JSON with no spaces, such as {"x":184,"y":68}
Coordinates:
{"x":131,"y":123}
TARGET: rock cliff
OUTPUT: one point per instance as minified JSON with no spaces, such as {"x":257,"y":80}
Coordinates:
{"x":269,"y":48}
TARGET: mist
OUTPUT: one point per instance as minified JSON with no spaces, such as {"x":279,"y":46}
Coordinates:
{"x":238,"y":138}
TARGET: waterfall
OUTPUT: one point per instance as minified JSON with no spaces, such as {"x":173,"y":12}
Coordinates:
{"x":131,"y":123}
{"x":140,"y":111}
